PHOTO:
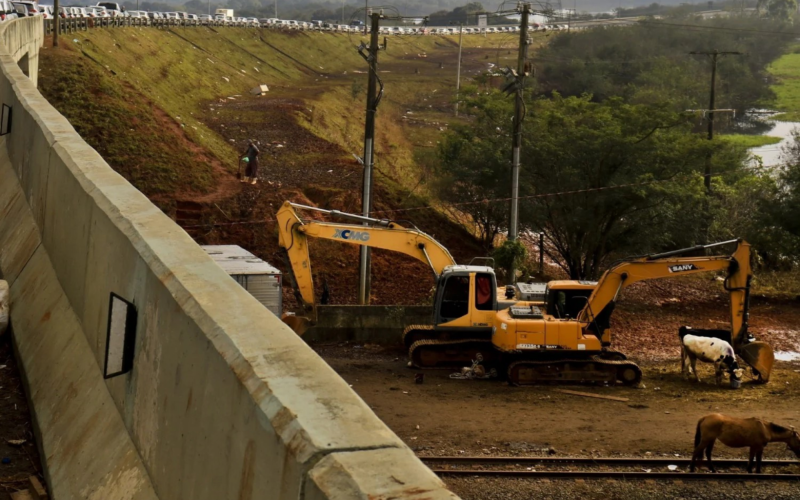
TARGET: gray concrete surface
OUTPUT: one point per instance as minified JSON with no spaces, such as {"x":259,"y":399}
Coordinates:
{"x":223,"y":402}
{"x":370,"y":324}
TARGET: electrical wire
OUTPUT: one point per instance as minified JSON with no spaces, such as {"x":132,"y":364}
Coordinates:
{"x":495,"y":200}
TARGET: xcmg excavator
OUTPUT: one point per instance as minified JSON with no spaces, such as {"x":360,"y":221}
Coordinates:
{"x":565,"y":338}
{"x":466,"y":297}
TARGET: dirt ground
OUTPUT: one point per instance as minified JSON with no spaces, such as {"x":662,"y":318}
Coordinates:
{"x":444,"y":416}
{"x":19,"y":457}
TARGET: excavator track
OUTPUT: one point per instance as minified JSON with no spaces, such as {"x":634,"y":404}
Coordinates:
{"x":577,"y":371}
{"x":415,"y":333}
{"x":450,"y":354}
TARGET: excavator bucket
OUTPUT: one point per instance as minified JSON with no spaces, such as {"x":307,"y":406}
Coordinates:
{"x":760,"y":356}
{"x":297,"y":323}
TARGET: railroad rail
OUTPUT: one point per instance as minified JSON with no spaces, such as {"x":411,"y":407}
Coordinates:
{"x":457,"y":466}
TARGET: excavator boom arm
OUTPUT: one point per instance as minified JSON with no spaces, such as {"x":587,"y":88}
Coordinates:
{"x":293,"y":235}
{"x":669,"y":265}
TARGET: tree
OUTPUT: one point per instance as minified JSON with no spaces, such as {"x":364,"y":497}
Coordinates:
{"x":475,"y":166}
{"x":599,"y":179}
{"x":782,"y":10}
{"x":574,"y":144}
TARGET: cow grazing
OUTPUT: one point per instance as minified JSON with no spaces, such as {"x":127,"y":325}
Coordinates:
{"x":709,"y":350}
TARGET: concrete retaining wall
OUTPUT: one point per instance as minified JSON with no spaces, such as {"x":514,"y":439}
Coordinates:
{"x":223,"y":402}
{"x":372,"y":324}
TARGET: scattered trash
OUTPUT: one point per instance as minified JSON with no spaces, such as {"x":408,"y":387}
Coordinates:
{"x":476,"y":371}
{"x":16,"y":442}
{"x":666,"y":412}
{"x":226,"y":78}
{"x":405,"y":392}
{"x":672,"y":467}
{"x":647,"y":470}
{"x":260,"y":90}
{"x":417,"y":426}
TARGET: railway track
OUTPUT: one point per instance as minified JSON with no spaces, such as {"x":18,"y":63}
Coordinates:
{"x":587,"y":468}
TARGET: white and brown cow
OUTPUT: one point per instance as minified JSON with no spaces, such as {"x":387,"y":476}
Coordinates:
{"x":709,"y":350}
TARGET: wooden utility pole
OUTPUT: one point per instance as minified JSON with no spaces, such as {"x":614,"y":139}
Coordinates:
{"x":369,"y":150}
{"x":714,"y":55}
{"x":519,"y":115}
{"x":57,"y":20}
{"x":458,"y":65}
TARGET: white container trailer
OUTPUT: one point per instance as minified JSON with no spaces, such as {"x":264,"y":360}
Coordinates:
{"x":262,"y":280}
{"x":225,"y":12}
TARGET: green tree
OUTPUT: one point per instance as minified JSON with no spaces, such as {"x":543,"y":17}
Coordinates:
{"x":782,"y":10}
{"x":474,"y":165}
{"x":599,"y":179}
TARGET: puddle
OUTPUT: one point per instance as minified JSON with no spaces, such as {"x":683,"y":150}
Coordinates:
{"x":787,"y":356}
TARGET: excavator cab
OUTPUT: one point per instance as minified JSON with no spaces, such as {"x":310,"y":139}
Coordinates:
{"x":466,"y":297}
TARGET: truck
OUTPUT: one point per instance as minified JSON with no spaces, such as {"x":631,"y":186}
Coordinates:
{"x":224,"y":12}
{"x":258,"y":277}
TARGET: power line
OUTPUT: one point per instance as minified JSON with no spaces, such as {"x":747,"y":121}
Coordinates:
{"x":492,"y":200}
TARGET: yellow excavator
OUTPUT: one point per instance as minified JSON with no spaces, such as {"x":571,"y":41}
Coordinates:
{"x":466,"y":297}
{"x":568,"y":340}
{"x":565,"y":337}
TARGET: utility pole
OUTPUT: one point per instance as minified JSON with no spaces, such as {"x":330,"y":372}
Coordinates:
{"x":458,"y":70}
{"x":364,"y":276}
{"x":57,"y":20}
{"x":519,"y":115}
{"x":714,"y":55}
{"x":366,"y":16}
{"x":276,"y":9}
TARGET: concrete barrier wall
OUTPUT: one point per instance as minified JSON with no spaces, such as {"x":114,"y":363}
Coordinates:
{"x":371,"y":324}
{"x":224,"y":401}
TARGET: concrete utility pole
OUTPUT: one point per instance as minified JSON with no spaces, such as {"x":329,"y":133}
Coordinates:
{"x":366,"y":16}
{"x":276,"y":9}
{"x":519,"y":115}
{"x":714,"y":55}
{"x":57,"y":20}
{"x":458,"y":70}
{"x":364,"y":276}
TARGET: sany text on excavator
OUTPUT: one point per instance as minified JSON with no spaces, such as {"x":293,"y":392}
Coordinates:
{"x":565,"y":338}
{"x":569,"y":340}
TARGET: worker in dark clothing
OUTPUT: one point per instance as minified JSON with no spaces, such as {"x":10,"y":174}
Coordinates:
{"x":251,"y":171}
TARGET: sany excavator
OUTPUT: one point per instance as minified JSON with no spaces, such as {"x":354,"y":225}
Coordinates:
{"x":566,"y":338}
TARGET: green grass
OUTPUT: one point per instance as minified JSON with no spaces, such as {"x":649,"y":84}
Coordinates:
{"x":185,"y":71}
{"x":121,"y":124}
{"x":786,"y":72}
{"x":750,"y":141}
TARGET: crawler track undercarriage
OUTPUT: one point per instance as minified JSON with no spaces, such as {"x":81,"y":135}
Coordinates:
{"x":432,"y":349}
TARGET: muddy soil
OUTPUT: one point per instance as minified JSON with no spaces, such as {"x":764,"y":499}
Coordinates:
{"x":19,"y":457}
{"x":444,"y":416}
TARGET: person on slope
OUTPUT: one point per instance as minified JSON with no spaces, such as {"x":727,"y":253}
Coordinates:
{"x":251,"y":171}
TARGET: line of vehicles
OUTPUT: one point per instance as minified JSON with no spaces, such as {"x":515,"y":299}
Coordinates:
{"x":13,"y":9}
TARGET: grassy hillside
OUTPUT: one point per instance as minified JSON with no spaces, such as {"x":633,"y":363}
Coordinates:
{"x":186,"y":71}
{"x":786,"y":73}
{"x":171,"y":111}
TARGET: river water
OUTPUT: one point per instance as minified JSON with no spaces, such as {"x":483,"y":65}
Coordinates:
{"x":773,"y":154}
